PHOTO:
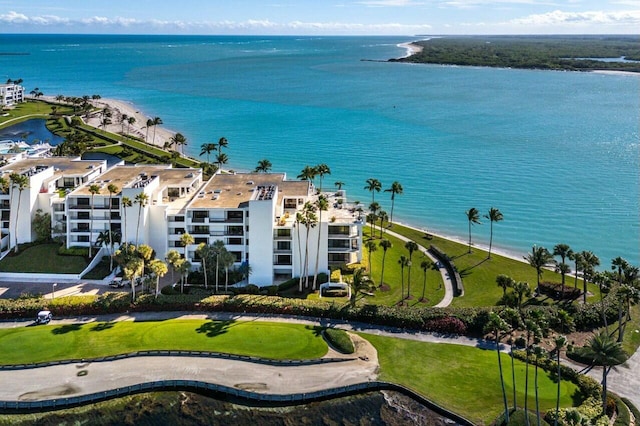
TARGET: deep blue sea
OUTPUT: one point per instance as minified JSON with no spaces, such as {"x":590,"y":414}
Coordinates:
{"x":556,"y":152}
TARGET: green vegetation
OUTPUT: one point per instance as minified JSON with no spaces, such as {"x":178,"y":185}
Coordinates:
{"x":531,"y":52}
{"x":456,"y":377}
{"x":28,"y":110}
{"x":74,"y":341}
{"x":49,"y":261}
{"x":339,"y":340}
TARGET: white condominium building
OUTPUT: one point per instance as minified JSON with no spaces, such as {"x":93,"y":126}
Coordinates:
{"x":11,"y":94}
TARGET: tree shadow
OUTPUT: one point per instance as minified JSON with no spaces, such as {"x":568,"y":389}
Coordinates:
{"x":317,"y":330}
{"x":215,"y":328}
{"x":67,"y":328}
{"x":467,"y":271}
{"x":103,"y":326}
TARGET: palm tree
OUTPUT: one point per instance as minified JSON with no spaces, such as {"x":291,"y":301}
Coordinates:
{"x":113,"y":189}
{"x":513,"y":318}
{"x":403,"y":262}
{"x":228,"y":259}
{"x":371,"y":247}
{"x":125,"y":203}
{"x":538,"y":352}
{"x":19,"y":182}
{"x":577,"y":260}
{"x":532,"y":329}
{"x":173,"y":258}
{"x":522,"y":290}
{"x":473,"y":216}
{"x":130,"y":121}
{"x":425,"y":265}
{"x":204,"y":251}
{"x":564,"y":251}
{"x":222,"y":143}
{"x":184,"y":268}
{"x":322,"y":204}
{"x":411,"y":246}
{"x":178,"y":140}
{"x":373,"y":208}
{"x":149,"y":125}
{"x":383,"y":217}
{"x":386,"y":245}
{"x":222,"y":159}
{"x":219,"y":251}
{"x":497,"y":326}
{"x":155,"y":122}
{"x":299,"y":220}
{"x":309,"y":220}
{"x":605,"y":352}
{"x":505,"y":282}
{"x":142,"y":200}
{"x":207,"y":148}
{"x":589,"y":263}
{"x":93,"y":190}
{"x":159,"y":269}
{"x":396,"y":189}
{"x":308,"y":173}
{"x":264,"y":166}
{"x":361,"y":283}
{"x":560,"y":342}
{"x":494,"y":215}
{"x":321,"y":170}
{"x":131,"y":270}
{"x":339,"y":185}
{"x":186,"y":240}
{"x":373,"y":185}
{"x":620,"y":264}
{"x":538,"y":259}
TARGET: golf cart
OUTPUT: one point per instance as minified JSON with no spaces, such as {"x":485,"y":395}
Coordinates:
{"x":44,"y":317}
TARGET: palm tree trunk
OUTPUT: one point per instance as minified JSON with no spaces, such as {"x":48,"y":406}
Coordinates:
{"x":315,"y":274}
{"x":204,"y":268}
{"x":157,"y":285}
{"x":526,"y":386}
{"x":306,"y":260}
{"x":490,"y":244}
{"x":504,"y":391}
{"x":513,"y":375}
{"x":555,"y":422}
{"x":384,"y":254}
{"x":537,"y":399}
{"x":300,"y":259}
{"x":402,"y":281}
{"x":217,"y":271}
{"x":604,"y":389}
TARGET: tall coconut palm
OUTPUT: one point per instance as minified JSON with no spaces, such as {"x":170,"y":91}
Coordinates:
{"x":522,"y":290}
{"x":172,"y":258}
{"x":497,"y":326}
{"x":19,"y":182}
{"x":204,"y":251}
{"x":560,"y":342}
{"x":371,"y":246}
{"x":602,"y":350}
{"x":403,"y":262}
{"x":125,"y":203}
{"x":513,"y":318}
{"x":309,"y":220}
{"x":186,"y":240}
{"x":619,"y":264}
{"x":308,"y":173}
{"x":382,"y":217}
{"x":538,"y":352}
{"x":386,"y":245}
{"x":179,"y":141}
{"x":589,"y":263}
{"x":322,"y":170}
{"x":264,"y":166}
{"x":564,"y":251}
{"x":222,"y":143}
{"x":112,"y":189}
{"x":339,"y":185}
{"x":577,"y":262}
{"x":218,"y":251}
{"x":473,"y":216}
{"x":322,"y":205}
{"x":494,"y":215}
{"x":131,"y":271}
{"x":374,"y":208}
{"x":207,"y":148}
{"x":93,"y":190}
{"x":228,"y":259}
{"x":396,"y":189}
{"x":538,"y":259}
{"x":148,"y":126}
{"x":425,"y":265}
{"x":184,"y":268}
{"x":373,"y":185}
{"x":298,"y":222}
{"x":222,"y":159}
{"x":130,"y":121}
{"x":532,"y":329}
{"x":411,"y":246}
{"x":504,"y":281}
{"x":159,"y":270}
{"x":142,"y":200}
{"x":156,"y":122}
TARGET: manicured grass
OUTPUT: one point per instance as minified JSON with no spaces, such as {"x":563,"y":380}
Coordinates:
{"x":463,"y":379}
{"x":479,"y":273}
{"x":29,"y":108}
{"x":59,"y":342}
{"x":48,"y":261}
{"x":393,"y":275}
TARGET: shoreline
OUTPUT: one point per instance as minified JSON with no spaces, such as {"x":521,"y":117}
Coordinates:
{"x":411,"y":48}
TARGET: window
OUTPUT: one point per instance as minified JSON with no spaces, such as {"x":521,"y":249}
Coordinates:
{"x":83,"y":227}
{"x":237,"y":255}
{"x":234,"y":215}
{"x":283,"y":233}
{"x":83,"y":215}
{"x":68,"y":182}
{"x":5,"y":214}
{"x":234,"y":241}
{"x":283,"y":259}
{"x":83,"y":238}
{"x":290,"y":203}
{"x":283,"y":245}
{"x":82,"y":201}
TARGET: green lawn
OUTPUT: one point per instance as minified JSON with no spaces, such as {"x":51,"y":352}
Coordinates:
{"x":463,"y":379}
{"x":48,"y":261}
{"x":261,"y":339}
{"x":29,"y":108}
{"x":479,"y":273}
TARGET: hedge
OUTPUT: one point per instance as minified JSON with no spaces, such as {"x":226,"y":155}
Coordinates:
{"x":632,"y":408}
{"x":339,"y":340}
{"x":623,"y":417}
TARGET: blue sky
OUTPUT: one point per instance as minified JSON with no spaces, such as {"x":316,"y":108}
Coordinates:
{"x":322,"y":17}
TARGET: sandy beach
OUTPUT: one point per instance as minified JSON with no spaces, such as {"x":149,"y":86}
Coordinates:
{"x":412,"y":48}
{"x":123,"y":108}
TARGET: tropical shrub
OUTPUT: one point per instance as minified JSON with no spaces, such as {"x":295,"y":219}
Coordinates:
{"x":73,"y":251}
{"x":632,"y":408}
{"x":448,"y":325}
{"x":336,"y":276}
{"x":339,"y":340}
{"x":623,"y":417}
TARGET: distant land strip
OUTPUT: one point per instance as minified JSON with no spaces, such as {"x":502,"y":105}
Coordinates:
{"x":14,"y":53}
{"x":561,"y":53}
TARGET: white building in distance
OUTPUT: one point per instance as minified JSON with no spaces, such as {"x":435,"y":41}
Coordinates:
{"x":11,"y":94}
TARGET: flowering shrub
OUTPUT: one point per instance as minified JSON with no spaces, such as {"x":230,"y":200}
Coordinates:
{"x":449,"y":325}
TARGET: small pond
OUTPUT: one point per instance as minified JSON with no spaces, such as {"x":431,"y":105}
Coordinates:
{"x":30,"y":131}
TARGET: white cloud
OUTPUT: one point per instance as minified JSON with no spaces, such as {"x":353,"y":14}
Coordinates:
{"x":390,"y":3}
{"x":558,"y":17}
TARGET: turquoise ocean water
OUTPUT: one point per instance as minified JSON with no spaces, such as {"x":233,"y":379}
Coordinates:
{"x":556,"y":152}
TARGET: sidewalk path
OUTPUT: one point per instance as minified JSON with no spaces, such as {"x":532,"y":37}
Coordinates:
{"x":448,"y":285}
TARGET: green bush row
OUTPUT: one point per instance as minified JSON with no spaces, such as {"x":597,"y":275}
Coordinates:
{"x":624,"y":417}
{"x":634,"y":410}
{"x":339,"y":340}
{"x":73,"y":251}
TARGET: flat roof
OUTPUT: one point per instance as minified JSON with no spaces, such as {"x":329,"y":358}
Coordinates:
{"x":127,"y":176}
{"x":235,"y":190}
{"x":65,"y":166}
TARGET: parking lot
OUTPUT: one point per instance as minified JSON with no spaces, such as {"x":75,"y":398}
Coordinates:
{"x":13,"y":290}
